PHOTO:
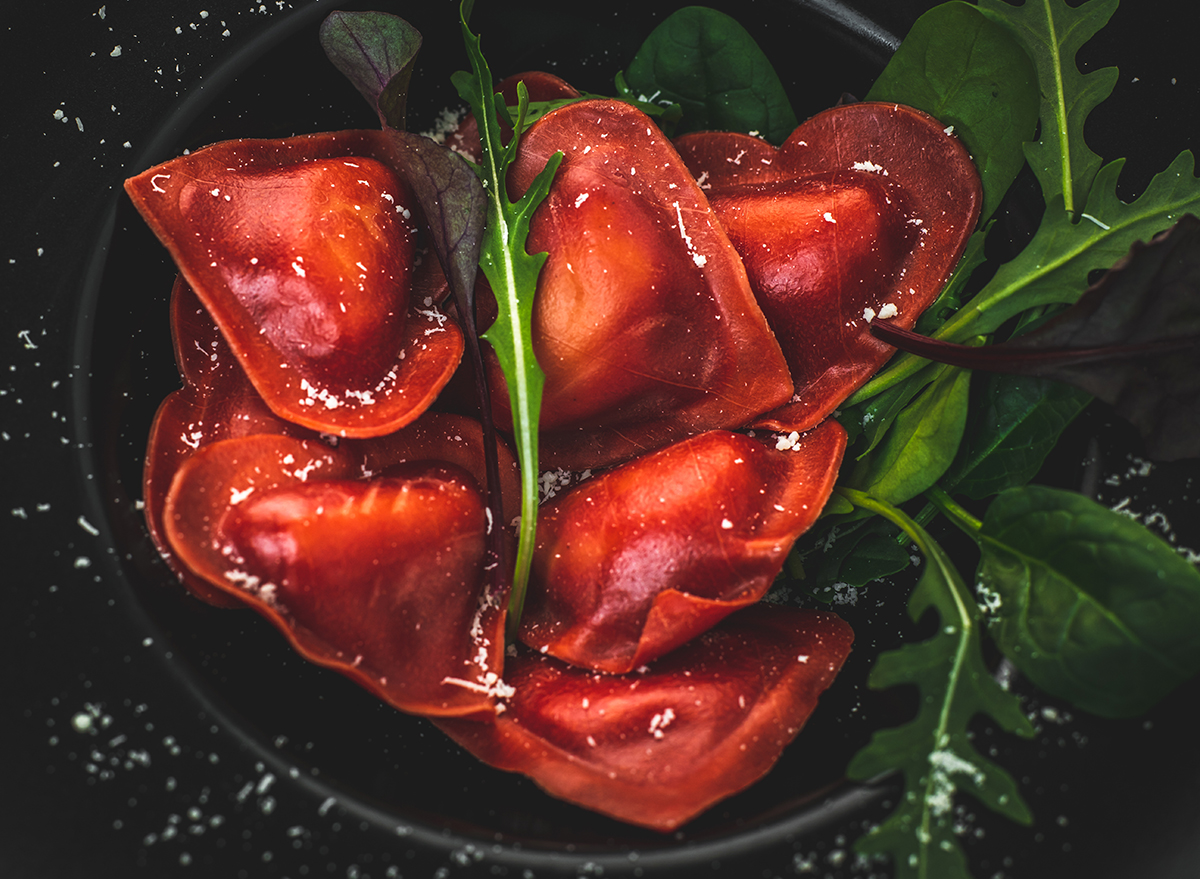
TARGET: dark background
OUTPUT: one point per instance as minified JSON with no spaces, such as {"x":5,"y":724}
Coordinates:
{"x":144,"y":734}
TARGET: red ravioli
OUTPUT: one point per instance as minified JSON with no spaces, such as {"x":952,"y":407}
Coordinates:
{"x":641,"y":559}
{"x":864,"y":210}
{"x":540,"y":85}
{"x":644,"y":322}
{"x":657,"y":749}
{"x":380,"y":578}
{"x":216,"y":402}
{"x":302,"y":251}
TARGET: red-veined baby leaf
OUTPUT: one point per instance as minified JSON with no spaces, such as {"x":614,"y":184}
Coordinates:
{"x":376,"y":52}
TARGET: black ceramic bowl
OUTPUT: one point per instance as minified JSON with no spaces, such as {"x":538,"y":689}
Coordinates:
{"x":145,"y":733}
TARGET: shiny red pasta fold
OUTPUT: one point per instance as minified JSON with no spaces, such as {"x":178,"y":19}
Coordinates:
{"x":864,"y":211}
{"x":658,"y":748}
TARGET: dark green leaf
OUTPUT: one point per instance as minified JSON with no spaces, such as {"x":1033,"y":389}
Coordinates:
{"x":952,"y":296}
{"x":868,"y":423}
{"x":1052,"y":33}
{"x":850,"y":554}
{"x":921,"y":444}
{"x":934,"y":751}
{"x":1014,"y":423}
{"x":967,"y":71}
{"x":376,"y":52}
{"x":1092,"y":607}
{"x":707,"y":63}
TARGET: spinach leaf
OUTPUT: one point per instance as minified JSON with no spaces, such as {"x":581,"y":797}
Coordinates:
{"x":868,"y":423}
{"x":376,"y":52}
{"x":934,"y":751}
{"x":1092,"y":607}
{"x":1014,"y":423}
{"x":707,"y":63}
{"x":849,"y":554}
{"x":513,"y":275}
{"x":920,"y":445}
{"x":1052,"y":33}
{"x":969,"y":72}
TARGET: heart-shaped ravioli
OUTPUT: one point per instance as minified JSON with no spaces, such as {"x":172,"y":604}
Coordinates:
{"x":644,"y":322}
{"x":659,"y":747}
{"x":379,"y":576}
{"x":641,"y":559}
{"x":302,"y":251}
{"x":863,"y":212}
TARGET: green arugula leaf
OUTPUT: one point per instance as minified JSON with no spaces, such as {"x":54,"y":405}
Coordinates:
{"x":1092,"y":607}
{"x":707,"y":63}
{"x":934,"y":751}
{"x":969,"y":72}
{"x":376,"y":52}
{"x":1052,"y":33}
{"x":1054,"y":267}
{"x":512,"y":274}
{"x":921,"y":443}
{"x":1014,"y":423}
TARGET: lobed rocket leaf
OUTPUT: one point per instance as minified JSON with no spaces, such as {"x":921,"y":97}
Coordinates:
{"x":512,"y":274}
{"x":1052,"y":33}
{"x":934,"y":751}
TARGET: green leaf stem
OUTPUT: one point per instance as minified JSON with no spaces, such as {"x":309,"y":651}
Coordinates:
{"x":512,"y":274}
{"x":1052,"y":33}
{"x":934,"y":752}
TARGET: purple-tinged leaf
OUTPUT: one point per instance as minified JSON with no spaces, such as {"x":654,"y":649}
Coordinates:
{"x":455,"y":206}
{"x":1132,"y":340}
{"x":375,"y":51}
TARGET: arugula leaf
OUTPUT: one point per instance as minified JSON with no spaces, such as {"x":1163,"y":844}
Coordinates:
{"x":1092,"y":606}
{"x":921,"y":443}
{"x":1133,"y":340}
{"x":1054,"y":267}
{"x":512,"y":274}
{"x":707,"y":63}
{"x":1052,"y":33}
{"x":969,"y":72}
{"x":934,"y":751}
{"x":376,"y":52}
{"x":1013,"y":425}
